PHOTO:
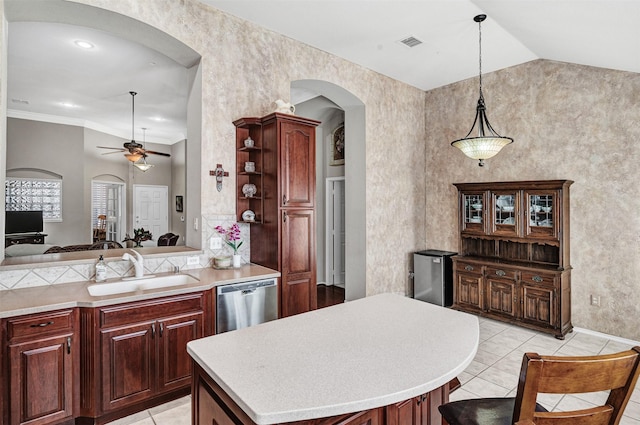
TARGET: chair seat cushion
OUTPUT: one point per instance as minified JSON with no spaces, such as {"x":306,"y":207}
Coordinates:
{"x":481,"y":411}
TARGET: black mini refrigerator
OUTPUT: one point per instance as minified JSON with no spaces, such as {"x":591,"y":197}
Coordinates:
{"x":433,"y":276}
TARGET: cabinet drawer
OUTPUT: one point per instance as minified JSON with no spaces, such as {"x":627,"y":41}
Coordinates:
{"x":468,"y":267}
{"x":151,"y":309}
{"x":40,"y":324}
{"x":538,"y":278}
{"x":501,"y":273}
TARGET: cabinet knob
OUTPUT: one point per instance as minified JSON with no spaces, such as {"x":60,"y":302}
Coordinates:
{"x":501,"y":272}
{"x":468,"y":268}
{"x":537,"y":279}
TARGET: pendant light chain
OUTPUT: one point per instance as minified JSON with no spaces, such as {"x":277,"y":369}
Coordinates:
{"x":480,"y":52}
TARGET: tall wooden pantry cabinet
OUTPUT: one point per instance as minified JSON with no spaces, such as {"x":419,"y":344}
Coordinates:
{"x":283,"y":230}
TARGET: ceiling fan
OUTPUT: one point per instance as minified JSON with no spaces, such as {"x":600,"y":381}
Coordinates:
{"x":134,"y":150}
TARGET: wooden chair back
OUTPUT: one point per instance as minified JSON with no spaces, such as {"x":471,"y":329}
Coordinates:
{"x":571,"y":375}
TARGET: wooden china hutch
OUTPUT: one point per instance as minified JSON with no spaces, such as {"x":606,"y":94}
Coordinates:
{"x":513,"y":263}
{"x":283,"y":205}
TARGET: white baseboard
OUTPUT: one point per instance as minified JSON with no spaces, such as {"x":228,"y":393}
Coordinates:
{"x":607,"y":336}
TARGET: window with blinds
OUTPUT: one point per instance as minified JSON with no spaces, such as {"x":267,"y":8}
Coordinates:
{"x":23,"y":194}
{"x":99,"y":194}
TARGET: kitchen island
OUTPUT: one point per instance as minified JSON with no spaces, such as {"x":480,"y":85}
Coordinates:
{"x":380,"y":359}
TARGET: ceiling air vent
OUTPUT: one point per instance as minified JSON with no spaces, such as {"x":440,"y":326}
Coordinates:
{"x":411,"y":41}
{"x":21,"y":101}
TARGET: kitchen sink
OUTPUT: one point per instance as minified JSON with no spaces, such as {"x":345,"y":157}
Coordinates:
{"x":141,"y":284}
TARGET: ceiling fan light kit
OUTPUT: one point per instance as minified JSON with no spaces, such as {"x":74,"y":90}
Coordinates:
{"x":134,"y":151}
{"x":143,"y":166}
{"x":485,"y":142}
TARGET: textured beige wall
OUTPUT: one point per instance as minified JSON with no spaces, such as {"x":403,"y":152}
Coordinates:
{"x":245,"y":68}
{"x":568,"y":122}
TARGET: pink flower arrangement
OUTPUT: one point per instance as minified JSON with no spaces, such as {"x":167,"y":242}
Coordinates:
{"x":232,"y":235}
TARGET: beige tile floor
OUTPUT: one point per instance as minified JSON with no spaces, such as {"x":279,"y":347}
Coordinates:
{"x":492,"y":373}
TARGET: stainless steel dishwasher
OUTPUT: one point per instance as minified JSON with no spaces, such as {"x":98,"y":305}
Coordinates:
{"x":246,"y":304}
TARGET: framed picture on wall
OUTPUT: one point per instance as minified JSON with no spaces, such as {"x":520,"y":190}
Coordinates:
{"x":337,"y":146}
{"x":179,"y":206}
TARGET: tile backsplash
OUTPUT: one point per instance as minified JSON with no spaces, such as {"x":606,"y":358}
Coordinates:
{"x":82,"y":271}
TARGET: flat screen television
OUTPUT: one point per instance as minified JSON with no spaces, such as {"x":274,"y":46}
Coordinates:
{"x":23,"y":222}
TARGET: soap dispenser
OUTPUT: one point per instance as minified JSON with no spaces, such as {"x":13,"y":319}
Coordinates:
{"x":101,"y":270}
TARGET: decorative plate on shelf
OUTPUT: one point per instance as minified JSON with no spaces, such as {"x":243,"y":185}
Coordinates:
{"x":249,"y":190}
{"x":509,"y":220}
{"x":249,"y":215}
{"x":504,"y":202}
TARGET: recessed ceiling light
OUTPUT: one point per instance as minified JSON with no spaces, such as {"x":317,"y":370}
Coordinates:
{"x":68,"y":105}
{"x":157,"y":119}
{"x":84,"y":44}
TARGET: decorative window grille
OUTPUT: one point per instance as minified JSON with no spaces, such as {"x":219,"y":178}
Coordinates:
{"x":22,"y":194}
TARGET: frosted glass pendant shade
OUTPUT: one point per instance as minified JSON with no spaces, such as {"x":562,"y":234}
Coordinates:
{"x":481,"y":147}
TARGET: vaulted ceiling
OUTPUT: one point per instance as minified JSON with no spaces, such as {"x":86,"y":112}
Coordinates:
{"x":601,"y":33}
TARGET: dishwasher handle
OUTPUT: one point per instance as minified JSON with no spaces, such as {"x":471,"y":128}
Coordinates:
{"x":246,"y":287}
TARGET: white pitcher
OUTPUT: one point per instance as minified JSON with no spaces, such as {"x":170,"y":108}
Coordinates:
{"x":284,"y":107}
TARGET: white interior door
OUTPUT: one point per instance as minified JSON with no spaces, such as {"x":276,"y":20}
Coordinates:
{"x":151,"y":210}
{"x":335,"y":242}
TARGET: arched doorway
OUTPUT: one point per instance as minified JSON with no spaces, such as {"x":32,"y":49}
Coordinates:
{"x":355,"y":177}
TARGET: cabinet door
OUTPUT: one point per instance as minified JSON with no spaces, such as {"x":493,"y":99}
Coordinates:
{"x":469,"y":291}
{"x":174,"y":363}
{"x":539,"y":305}
{"x":298,"y":282}
{"x":541,"y":214}
{"x":504,"y":210}
{"x":41,"y":380}
{"x":368,"y":417}
{"x":209,"y":412}
{"x":127,"y":356}
{"x":297,"y":165}
{"x":404,"y":412}
{"x":473,"y":206}
{"x":501,"y":297}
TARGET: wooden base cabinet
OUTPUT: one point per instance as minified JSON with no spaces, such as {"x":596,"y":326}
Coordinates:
{"x":212,"y":405}
{"x":42,"y":374}
{"x":136,"y":353}
{"x":514,"y":253}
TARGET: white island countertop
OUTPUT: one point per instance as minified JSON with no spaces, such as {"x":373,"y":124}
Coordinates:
{"x":355,"y":356}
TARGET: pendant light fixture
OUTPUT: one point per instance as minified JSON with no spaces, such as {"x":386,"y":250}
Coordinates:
{"x":142,"y":163}
{"x":482,"y":141}
{"x":133,"y":156}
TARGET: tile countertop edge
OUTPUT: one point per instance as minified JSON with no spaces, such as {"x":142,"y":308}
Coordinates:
{"x":40,"y":299}
{"x":399,"y":376}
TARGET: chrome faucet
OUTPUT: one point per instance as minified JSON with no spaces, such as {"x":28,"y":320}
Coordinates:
{"x":137,"y":261}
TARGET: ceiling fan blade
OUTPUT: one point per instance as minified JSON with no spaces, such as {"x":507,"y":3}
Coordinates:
{"x":109,"y":153}
{"x":109,"y":147}
{"x":158,"y":153}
